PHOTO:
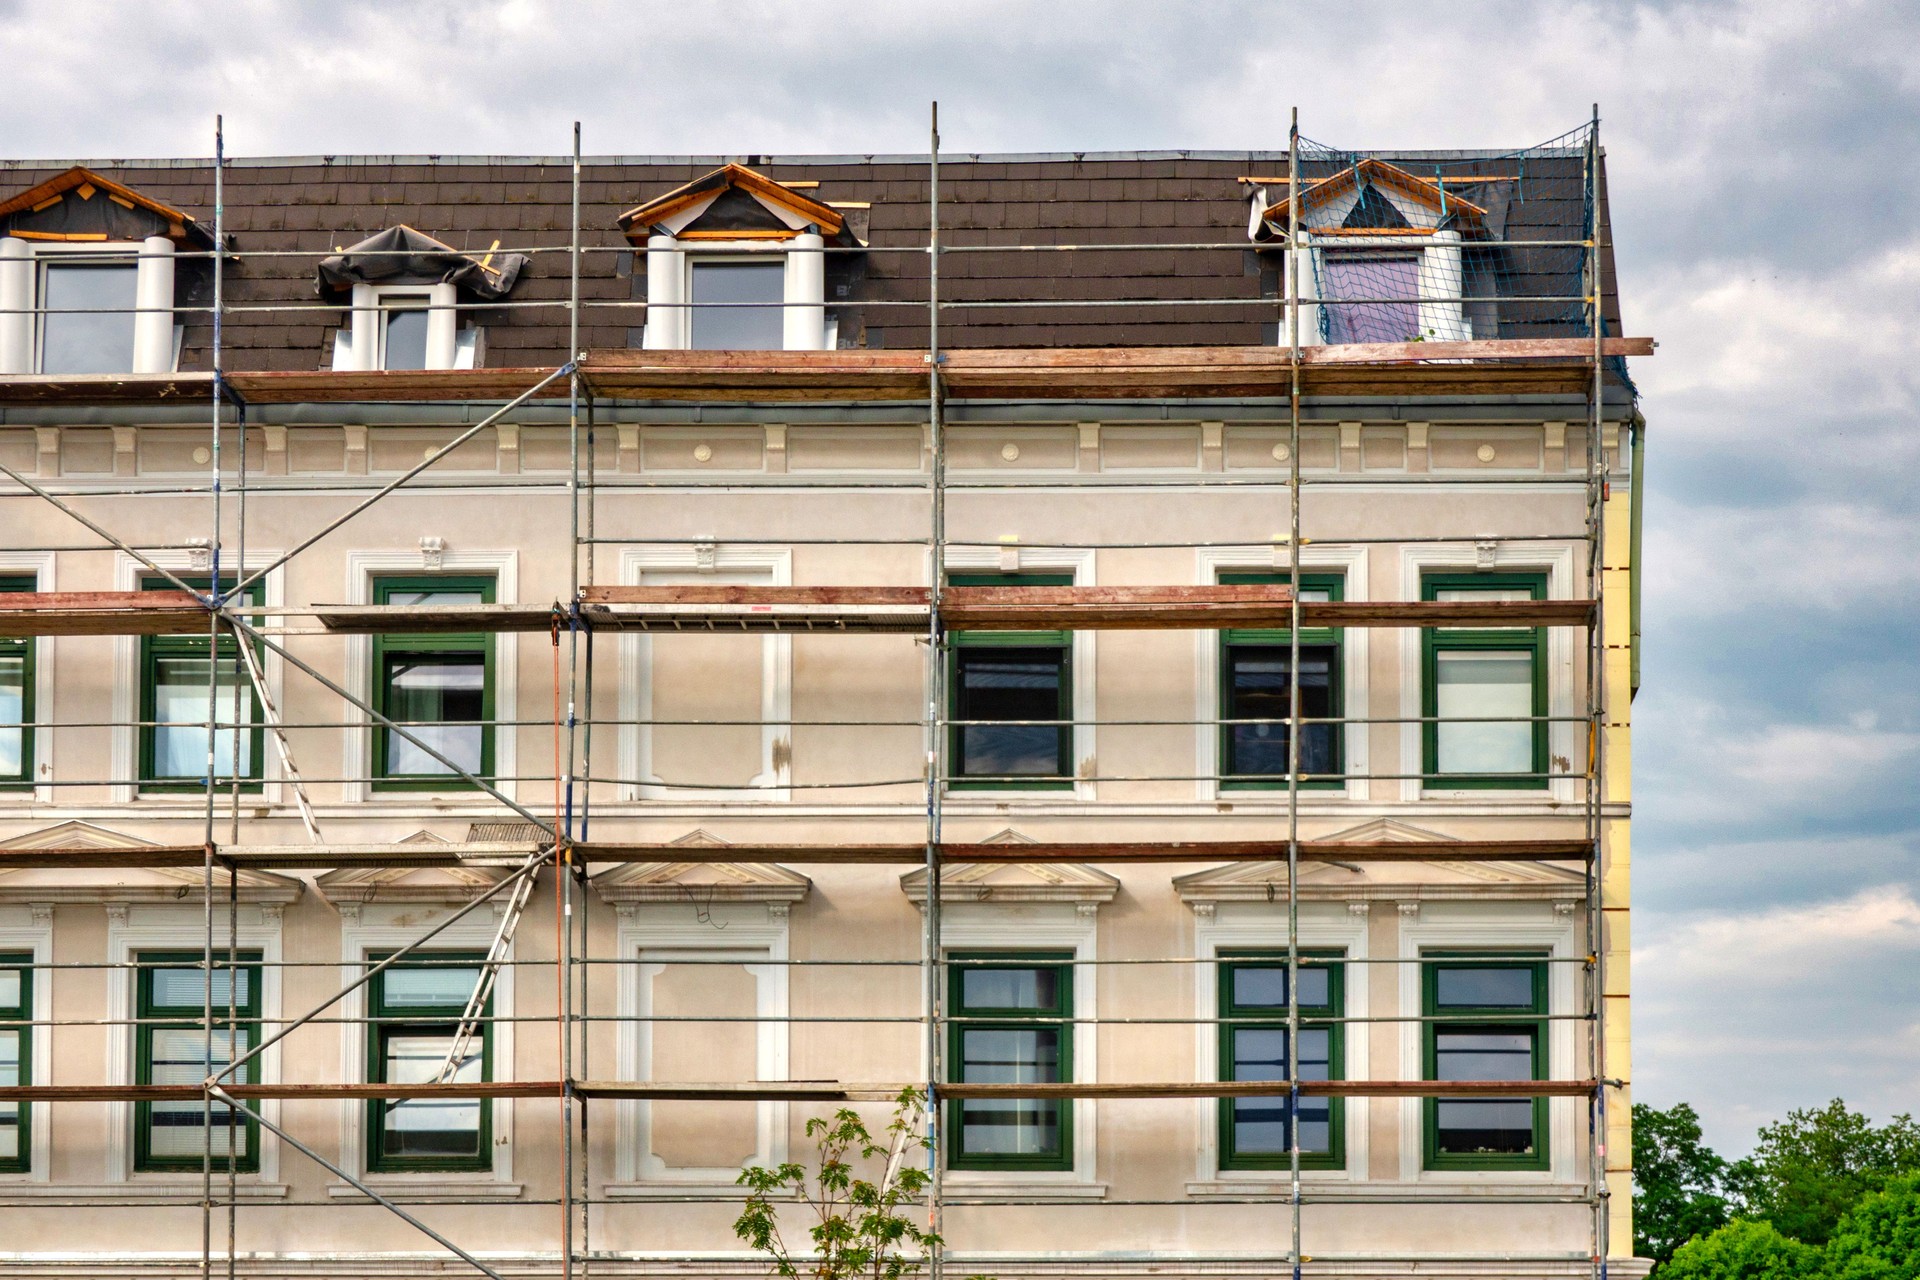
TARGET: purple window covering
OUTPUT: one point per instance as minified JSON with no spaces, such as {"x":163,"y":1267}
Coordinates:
{"x":1370,"y":277}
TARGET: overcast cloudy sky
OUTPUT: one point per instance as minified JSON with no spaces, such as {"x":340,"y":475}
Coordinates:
{"x":1764,"y":188}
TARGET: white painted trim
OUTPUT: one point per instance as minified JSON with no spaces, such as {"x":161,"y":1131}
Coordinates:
{"x":125,"y":758}
{"x":154,"y":344}
{"x":745,"y":931}
{"x":1557,"y":559}
{"x":1243,"y":925}
{"x":670,"y":264}
{"x":357,"y":744}
{"x":30,"y":929}
{"x":1354,"y":692}
{"x":1469,"y":926}
{"x":763,"y":565}
{"x":41,"y":565}
{"x":984,"y":926}
{"x":184,"y":928}
{"x":1080,"y":563}
{"x":365,"y":345}
{"x":388,"y":927}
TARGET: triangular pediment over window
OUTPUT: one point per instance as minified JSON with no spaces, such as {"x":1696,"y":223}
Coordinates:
{"x":1374,"y":195}
{"x":701,"y":881}
{"x":80,"y":205}
{"x":1015,"y":881}
{"x":733,"y":201}
{"x":1362,"y":881}
{"x":124,"y":884}
{"x":344,"y":886}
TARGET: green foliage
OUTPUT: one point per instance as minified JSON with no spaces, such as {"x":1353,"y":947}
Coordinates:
{"x":1678,"y":1181}
{"x":859,"y":1230}
{"x":1810,"y":1168}
{"x":1879,"y":1239}
{"x":1743,"y":1250}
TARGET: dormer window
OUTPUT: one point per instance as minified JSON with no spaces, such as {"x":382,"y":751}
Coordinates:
{"x":736,"y":262}
{"x":406,"y":291}
{"x":87,"y":278}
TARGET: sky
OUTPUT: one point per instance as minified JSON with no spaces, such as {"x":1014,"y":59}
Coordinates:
{"x":1762,"y":182}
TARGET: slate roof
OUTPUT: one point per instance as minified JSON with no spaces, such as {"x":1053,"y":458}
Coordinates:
{"x":317,"y":205}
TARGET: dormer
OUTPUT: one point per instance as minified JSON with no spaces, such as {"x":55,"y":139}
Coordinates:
{"x":1384,"y":254}
{"x":407,"y":289}
{"x":87,"y":280}
{"x":736,"y":261}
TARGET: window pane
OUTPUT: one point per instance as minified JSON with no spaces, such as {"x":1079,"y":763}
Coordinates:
{"x":436,"y":1127}
{"x":1258,"y":689}
{"x":180,"y":710}
{"x":1484,"y":1053}
{"x":1010,"y":684}
{"x":184,"y":988}
{"x":722,"y":318}
{"x":10,"y":1075}
{"x":1493,"y":988}
{"x":1478,"y":682}
{"x":1260,"y":1124}
{"x":89,"y":339}
{"x":1005,"y":1126}
{"x":435,"y":988}
{"x":13,"y":712}
{"x":1484,"y":1126}
{"x":1265,"y":986}
{"x":179,"y":1056}
{"x":432,"y":595}
{"x":436,"y":687}
{"x":407,"y":338}
{"x":9,"y":988}
{"x":1387,"y":280}
{"x":1009,"y":988}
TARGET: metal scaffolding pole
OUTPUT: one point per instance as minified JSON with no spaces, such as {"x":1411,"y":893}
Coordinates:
{"x":933,"y":974}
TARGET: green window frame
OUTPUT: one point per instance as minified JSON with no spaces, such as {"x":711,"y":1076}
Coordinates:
{"x":17,"y":701}
{"x":170,"y":1047}
{"x":1451,"y":646}
{"x":402,"y":654}
{"x":981,"y":652}
{"x":16,"y":1059}
{"x":1252,"y":1013}
{"x":158,"y":750}
{"x":1322,"y":746}
{"x":984,"y":1036}
{"x":1482,"y":1038}
{"x":403,"y":1005}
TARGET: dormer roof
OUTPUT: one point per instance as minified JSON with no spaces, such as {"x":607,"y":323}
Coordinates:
{"x":1425,"y":202}
{"x":731,"y":189}
{"x":80,"y":205}
{"x":402,"y":255}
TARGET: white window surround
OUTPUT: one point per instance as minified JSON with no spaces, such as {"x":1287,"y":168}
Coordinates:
{"x":717,"y":566}
{"x":1246,"y":926}
{"x":1349,"y":561}
{"x":127,"y":573}
{"x":670,"y":285}
{"x":136,"y":928}
{"x":1080,"y":563}
{"x":1564,"y":645}
{"x":381,"y":928}
{"x":155,"y":335}
{"x":1440,"y":279}
{"x":1486,"y":926}
{"x":1036,"y":926}
{"x":357,"y":751}
{"x":748,"y":932}
{"x":363,"y":344}
{"x":30,"y":929}
{"x":41,"y":565}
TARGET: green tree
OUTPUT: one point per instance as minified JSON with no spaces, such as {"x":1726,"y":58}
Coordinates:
{"x":859,"y":1229}
{"x":1879,"y":1239}
{"x":1678,"y":1181}
{"x":1744,"y":1250}
{"x":1810,"y":1168}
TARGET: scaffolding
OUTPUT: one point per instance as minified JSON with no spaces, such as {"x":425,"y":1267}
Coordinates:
{"x":1581,"y":360}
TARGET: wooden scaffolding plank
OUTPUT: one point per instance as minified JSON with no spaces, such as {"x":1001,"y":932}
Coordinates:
{"x":101,"y":613}
{"x":1114,"y":852}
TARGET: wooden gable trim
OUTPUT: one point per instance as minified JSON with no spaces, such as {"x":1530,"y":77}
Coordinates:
{"x":1426,"y":191}
{"x":637,"y":221}
{"x":78,"y":180}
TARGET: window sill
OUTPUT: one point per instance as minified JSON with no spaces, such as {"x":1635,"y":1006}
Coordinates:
{"x":428,"y":1188}
{"x":142,"y":1187}
{"x":986,"y":1188}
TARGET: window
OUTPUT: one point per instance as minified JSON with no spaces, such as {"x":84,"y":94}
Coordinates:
{"x":1487,"y":1021}
{"x":173,"y":707}
{"x":1254,"y":685}
{"x":88,"y":318}
{"x":1386,"y":292}
{"x":737,"y":304}
{"x":439,"y":686}
{"x":170,"y":1047}
{"x":403,"y":331}
{"x":16,"y":699}
{"x":1009,"y":1024}
{"x":1253,"y":1046}
{"x":413,"y":1030}
{"x":1011,"y":698}
{"x":16,"y":1059}
{"x":1481,"y":686}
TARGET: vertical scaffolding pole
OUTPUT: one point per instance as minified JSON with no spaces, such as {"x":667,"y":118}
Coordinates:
{"x":1293,"y":692}
{"x":563,"y":851}
{"x":1597,"y":493}
{"x":213,"y":696}
{"x":931,"y":968}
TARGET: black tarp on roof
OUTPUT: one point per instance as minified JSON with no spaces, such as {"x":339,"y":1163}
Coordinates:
{"x":401,"y":255}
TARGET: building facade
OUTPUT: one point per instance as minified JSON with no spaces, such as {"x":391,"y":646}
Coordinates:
{"x":1130,"y":569}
